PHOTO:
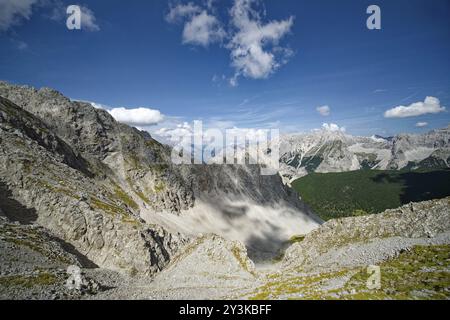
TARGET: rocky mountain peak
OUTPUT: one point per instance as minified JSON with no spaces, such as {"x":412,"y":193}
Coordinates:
{"x":92,"y":179}
{"x":334,"y":151}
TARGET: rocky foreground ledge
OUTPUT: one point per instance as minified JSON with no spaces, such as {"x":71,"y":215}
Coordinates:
{"x":410,"y":245}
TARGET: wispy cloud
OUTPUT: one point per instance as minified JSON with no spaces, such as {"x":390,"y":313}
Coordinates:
{"x":98,"y":105}
{"x":21,"y":45}
{"x":179,"y":12}
{"x":324,"y":110}
{"x":88,"y":20}
{"x":421,"y":124}
{"x":14,"y":12}
{"x":431,"y":105}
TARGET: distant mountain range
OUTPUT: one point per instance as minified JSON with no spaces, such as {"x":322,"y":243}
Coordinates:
{"x":326,"y":151}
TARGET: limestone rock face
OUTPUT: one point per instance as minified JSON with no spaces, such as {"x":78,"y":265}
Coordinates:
{"x":90,"y":179}
{"x":137,"y":163}
{"x":326,"y":151}
{"x":39,"y":170}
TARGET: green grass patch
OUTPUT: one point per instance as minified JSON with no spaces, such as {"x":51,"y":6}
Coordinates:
{"x":125,"y":198}
{"x":106,"y":207}
{"x":294,"y":287}
{"x":142,"y":196}
{"x":296,"y":238}
{"x":42,"y":279}
{"x":238,"y":255}
{"x":422,"y":273}
{"x":159,"y":187}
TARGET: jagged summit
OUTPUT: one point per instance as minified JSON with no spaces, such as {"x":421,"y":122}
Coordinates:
{"x":92,"y":181}
{"x":334,"y":151}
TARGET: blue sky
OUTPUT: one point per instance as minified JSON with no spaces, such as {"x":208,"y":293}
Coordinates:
{"x":136,"y":54}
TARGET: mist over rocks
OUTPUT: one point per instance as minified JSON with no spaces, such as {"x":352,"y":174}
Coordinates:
{"x":90,"y":179}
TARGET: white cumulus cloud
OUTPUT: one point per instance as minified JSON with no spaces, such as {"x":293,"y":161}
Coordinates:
{"x":324,"y":110}
{"x":174,"y":134}
{"x":333,"y":127}
{"x":88,"y":20}
{"x":421,"y":124}
{"x":251,"y":55}
{"x":253,"y":44}
{"x":430,"y":105}
{"x":138,"y":116}
{"x":200,"y":28}
{"x":203,"y":29}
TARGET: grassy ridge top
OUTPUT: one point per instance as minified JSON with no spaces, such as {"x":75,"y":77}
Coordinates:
{"x":334,"y":195}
